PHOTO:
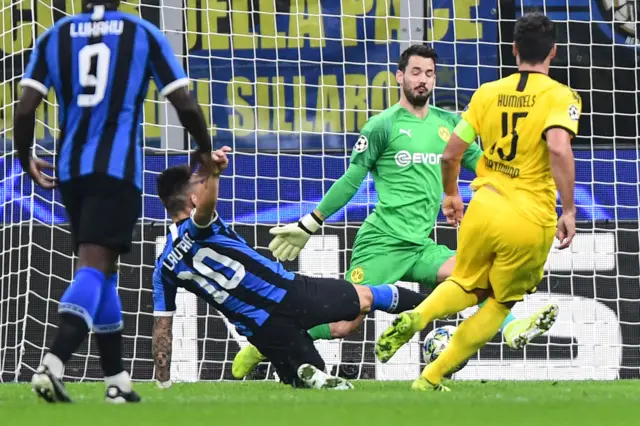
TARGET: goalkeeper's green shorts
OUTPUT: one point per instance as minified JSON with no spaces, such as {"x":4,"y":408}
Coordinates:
{"x":379,"y":258}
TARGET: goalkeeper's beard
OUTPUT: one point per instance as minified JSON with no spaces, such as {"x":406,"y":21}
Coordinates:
{"x":416,"y":100}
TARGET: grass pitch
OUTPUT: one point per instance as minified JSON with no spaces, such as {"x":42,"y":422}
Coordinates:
{"x":370,"y":404}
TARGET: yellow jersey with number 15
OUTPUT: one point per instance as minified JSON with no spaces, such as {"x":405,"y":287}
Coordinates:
{"x":511,"y":116}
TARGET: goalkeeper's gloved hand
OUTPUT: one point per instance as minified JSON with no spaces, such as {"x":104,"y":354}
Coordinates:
{"x":290,"y":239}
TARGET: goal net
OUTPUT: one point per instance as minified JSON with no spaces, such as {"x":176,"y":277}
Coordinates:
{"x":288,"y":84}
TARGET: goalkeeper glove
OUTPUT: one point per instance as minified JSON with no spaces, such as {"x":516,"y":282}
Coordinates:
{"x":290,"y":239}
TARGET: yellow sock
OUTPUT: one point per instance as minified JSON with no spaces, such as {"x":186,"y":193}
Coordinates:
{"x":448,"y":298}
{"x":470,"y":336}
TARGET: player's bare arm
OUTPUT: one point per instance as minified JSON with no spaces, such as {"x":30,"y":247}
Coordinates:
{"x":451,"y":159}
{"x":452,"y":206}
{"x":162,"y":347}
{"x":23,"y":129}
{"x":207,"y":193}
{"x":563,"y":171}
{"x":191,"y":117}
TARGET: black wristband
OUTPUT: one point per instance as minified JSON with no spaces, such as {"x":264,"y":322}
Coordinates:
{"x":304,"y":228}
{"x":316,"y":218}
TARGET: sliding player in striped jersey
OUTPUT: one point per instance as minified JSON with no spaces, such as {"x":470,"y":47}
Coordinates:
{"x":99,"y":62}
{"x":270,"y":305}
{"x":401,"y":147}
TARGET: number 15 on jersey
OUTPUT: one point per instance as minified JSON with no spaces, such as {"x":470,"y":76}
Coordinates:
{"x":509,"y":123}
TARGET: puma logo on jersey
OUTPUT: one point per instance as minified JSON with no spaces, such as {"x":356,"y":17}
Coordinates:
{"x":406,"y":132}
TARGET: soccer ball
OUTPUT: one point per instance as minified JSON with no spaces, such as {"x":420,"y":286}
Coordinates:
{"x":436,"y":342}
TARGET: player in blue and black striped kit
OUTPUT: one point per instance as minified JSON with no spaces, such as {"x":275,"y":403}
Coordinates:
{"x":99,"y":63}
{"x":273,"y":307}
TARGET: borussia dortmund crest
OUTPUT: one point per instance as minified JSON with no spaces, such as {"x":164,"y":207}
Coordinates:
{"x":357,"y":275}
{"x":444,"y":133}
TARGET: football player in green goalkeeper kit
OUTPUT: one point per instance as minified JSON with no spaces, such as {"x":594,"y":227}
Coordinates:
{"x":401,"y":147}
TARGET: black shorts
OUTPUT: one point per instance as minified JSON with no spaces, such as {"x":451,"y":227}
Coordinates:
{"x":283,"y":338}
{"x":315,"y":301}
{"x":102,"y":210}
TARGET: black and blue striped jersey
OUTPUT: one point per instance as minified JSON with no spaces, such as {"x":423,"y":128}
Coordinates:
{"x":99,"y":65}
{"x":218,"y":265}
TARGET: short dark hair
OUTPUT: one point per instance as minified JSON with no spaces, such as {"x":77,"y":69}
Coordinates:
{"x":535,"y":35}
{"x":423,"y":50}
{"x":108,"y":4}
{"x":172,"y":185}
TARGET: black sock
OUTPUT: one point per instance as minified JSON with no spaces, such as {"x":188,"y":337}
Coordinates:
{"x":407,"y":299}
{"x":110,"y":347}
{"x":71,"y":333}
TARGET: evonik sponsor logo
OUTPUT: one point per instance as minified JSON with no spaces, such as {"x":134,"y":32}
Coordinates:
{"x":404,"y":158}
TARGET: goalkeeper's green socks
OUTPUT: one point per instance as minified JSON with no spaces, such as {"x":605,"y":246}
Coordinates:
{"x":321,"y":332}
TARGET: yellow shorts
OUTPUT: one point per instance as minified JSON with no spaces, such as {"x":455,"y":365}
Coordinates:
{"x":500,"y":249}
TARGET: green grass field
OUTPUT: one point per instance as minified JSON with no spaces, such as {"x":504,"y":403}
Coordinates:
{"x":371,"y":403}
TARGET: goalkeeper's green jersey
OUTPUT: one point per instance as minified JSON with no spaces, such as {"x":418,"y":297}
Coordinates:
{"x":403,"y":154}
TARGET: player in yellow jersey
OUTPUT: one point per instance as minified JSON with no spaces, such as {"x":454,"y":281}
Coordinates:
{"x":525,"y":123}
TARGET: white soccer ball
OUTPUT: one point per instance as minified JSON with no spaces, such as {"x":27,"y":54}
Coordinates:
{"x":436,"y":342}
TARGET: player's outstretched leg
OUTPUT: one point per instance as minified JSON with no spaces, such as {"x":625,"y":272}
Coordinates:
{"x":517,"y":332}
{"x":521,"y":332}
{"x":448,"y":298}
{"x":77,"y":309}
{"x":400,"y":332}
{"x":386,"y":297}
{"x":246,"y":361}
{"x":48,"y":386}
{"x":470,"y":336}
{"x":423,"y":385}
{"x":108,"y":332}
{"x":318,"y":379}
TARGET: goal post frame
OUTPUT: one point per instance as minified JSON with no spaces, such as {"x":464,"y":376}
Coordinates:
{"x":594,"y":281}
{"x":172,"y":18}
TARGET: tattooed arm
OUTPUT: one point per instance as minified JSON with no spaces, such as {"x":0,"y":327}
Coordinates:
{"x":162,"y":345}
